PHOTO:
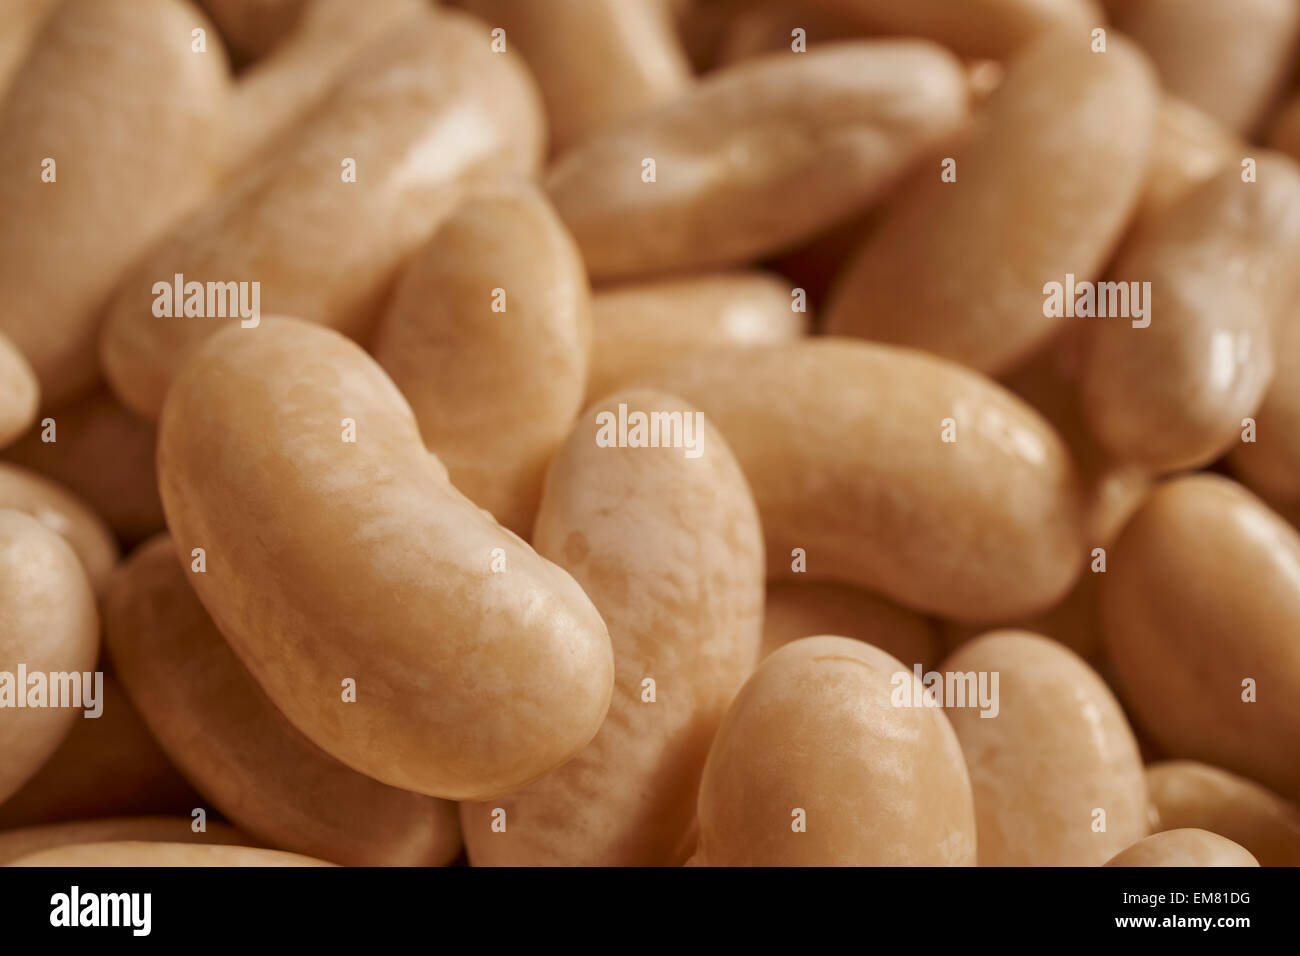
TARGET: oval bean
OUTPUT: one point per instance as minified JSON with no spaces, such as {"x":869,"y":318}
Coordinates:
{"x":1184,"y":848}
{"x":1200,"y":607}
{"x":596,"y":61}
{"x":1228,"y":59}
{"x":227,"y":736}
{"x":1045,"y":184}
{"x":48,"y":624}
{"x":1185,"y":793}
{"x":329,"y":560}
{"x":756,"y":158}
{"x":843,"y":445}
{"x":668,"y":548}
{"x":1171,"y":393}
{"x":1189,"y":148}
{"x":642,"y":326}
{"x":1053,"y":764}
{"x":489,"y":338}
{"x":85,"y":191}
{"x":812,"y":740}
{"x":418,"y":114}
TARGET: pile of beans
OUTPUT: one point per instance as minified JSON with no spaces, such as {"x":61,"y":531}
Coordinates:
{"x":640,"y":432}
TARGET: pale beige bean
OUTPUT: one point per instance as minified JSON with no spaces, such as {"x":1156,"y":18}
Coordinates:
{"x":1044,"y":186}
{"x":110,"y":766}
{"x":1185,"y":793}
{"x":63,"y":513}
{"x":843,"y":444}
{"x":489,"y":338}
{"x":1185,"y":847}
{"x":48,"y":624}
{"x":15,"y":844}
{"x":1054,"y":766}
{"x":1171,"y":392}
{"x":1270,"y":465}
{"x":597,"y":62}
{"x":1228,"y":59}
{"x":994,"y":28}
{"x":814,"y":766}
{"x":20,"y":393}
{"x":769,"y":26}
{"x":111,"y":129}
{"x":137,"y":853}
{"x":796,"y":609}
{"x":756,"y":158}
{"x":641,"y":326}
{"x":669,"y":549}
{"x":331,"y":561}
{"x":104,"y":455}
{"x":284,"y":87}
{"x":1189,"y":147}
{"x":417,"y":114}
{"x":1200,"y":608}
{"x":20,"y":23}
{"x":222,"y":730}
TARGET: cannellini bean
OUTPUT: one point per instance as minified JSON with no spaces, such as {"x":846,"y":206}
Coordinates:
{"x":63,"y":513}
{"x":417,"y":115}
{"x":15,"y":844}
{"x":1184,"y":848}
{"x":1170,"y":390}
{"x":796,"y":609}
{"x":1044,"y":185}
{"x":993,"y":28}
{"x":355,"y":564}
{"x":137,"y":853}
{"x":1228,"y":59}
{"x":281,"y":89}
{"x":668,"y":548}
{"x":20,"y":393}
{"x":596,"y":61}
{"x":813,"y":765}
{"x":222,"y":730}
{"x":756,"y":158}
{"x":103,"y":454}
{"x":641,"y":326}
{"x":1200,"y":608}
{"x":85,"y":190}
{"x":1185,"y":793}
{"x":109,"y":766}
{"x":1054,"y":767}
{"x":844,"y":445}
{"x":48,"y":624}
{"x":489,"y":338}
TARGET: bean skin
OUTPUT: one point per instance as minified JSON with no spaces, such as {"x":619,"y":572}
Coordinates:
{"x":1202,"y":592}
{"x":756,"y":158}
{"x":328,"y":560}
{"x":669,"y":550}
{"x":1045,"y":184}
{"x":1184,"y":848}
{"x":841,"y":442}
